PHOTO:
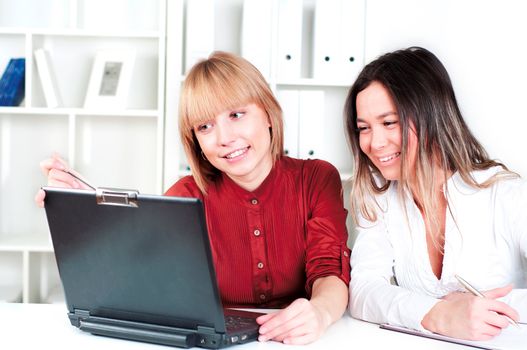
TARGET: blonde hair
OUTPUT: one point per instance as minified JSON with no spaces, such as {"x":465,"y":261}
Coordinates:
{"x":422,"y":92}
{"x":221,"y":82}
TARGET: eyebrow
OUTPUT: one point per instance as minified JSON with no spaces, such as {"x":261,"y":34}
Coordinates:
{"x":380,"y":116}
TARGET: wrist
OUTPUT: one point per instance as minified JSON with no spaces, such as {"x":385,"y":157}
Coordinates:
{"x":430,"y":320}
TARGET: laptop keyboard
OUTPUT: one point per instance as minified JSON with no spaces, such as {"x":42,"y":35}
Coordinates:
{"x":235,"y":323}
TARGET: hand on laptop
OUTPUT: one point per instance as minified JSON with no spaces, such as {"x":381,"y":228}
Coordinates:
{"x":301,"y":322}
{"x":54,"y":169}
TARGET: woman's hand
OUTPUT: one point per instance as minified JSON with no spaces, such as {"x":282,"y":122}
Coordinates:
{"x":304,"y":321}
{"x":464,"y":316}
{"x":55,"y":170}
{"x":301,"y":322}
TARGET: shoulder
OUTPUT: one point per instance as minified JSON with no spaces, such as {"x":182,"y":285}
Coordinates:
{"x":185,"y":187}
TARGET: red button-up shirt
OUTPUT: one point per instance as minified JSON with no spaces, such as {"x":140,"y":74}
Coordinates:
{"x":271,"y":244}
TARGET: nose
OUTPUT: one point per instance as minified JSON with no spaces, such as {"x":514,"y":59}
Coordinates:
{"x":224,"y":134}
{"x":378,"y":139}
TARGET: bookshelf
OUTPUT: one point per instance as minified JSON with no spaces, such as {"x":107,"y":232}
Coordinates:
{"x":120,"y":147}
{"x":135,"y":147}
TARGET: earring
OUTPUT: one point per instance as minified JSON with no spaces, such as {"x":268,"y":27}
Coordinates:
{"x":203,"y":156}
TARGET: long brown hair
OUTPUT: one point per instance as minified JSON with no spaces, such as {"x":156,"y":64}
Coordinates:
{"x":223,"y":81}
{"x":422,"y":92}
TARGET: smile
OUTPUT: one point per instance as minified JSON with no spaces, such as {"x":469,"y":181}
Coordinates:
{"x":390,"y":157}
{"x":236,"y":153}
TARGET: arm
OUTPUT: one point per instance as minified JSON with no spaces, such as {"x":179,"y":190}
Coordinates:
{"x":373,"y":297}
{"x":327,"y":263}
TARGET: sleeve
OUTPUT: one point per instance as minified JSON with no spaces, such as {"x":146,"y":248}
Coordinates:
{"x":513,"y":198}
{"x":185,"y":187}
{"x":373,"y":297}
{"x":327,"y":253}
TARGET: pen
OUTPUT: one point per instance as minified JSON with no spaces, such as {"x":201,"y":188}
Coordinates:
{"x":477,"y":293}
{"x":79,"y":178}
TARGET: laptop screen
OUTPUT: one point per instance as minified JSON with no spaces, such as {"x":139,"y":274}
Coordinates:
{"x":151,"y":263}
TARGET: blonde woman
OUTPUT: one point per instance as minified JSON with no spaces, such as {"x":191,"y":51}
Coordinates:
{"x":430,"y":204}
{"x":276,"y":224}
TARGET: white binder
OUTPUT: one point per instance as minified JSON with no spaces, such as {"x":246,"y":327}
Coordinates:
{"x":48,"y":79}
{"x":311,"y":121}
{"x":289,"y":53}
{"x":326,"y":39}
{"x":338,"y":40}
{"x":289,"y":100}
{"x":351,"y":54}
{"x":256,"y":34}
{"x":200,"y":31}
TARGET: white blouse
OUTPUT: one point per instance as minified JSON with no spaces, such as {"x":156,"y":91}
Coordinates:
{"x":485,"y":243}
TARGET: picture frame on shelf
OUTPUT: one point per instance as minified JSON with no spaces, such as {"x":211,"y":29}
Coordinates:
{"x":110,"y":79}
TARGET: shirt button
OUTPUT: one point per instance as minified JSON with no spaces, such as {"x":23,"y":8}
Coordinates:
{"x":260,"y":265}
{"x":256,"y":232}
{"x":345,"y":253}
{"x":254,"y":201}
{"x":262,"y":296}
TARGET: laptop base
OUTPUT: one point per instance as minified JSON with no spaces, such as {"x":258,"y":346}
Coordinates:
{"x":146,"y":332}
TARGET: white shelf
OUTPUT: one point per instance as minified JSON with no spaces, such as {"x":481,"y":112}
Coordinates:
{"x":81,"y":32}
{"x":80,"y":111}
{"x":36,"y":242}
{"x":314,"y":82}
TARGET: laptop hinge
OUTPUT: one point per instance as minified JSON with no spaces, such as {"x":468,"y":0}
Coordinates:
{"x":118,"y":197}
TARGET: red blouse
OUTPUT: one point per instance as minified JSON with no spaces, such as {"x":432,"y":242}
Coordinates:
{"x":270,"y":245}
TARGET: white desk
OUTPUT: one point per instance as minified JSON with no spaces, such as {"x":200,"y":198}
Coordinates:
{"x":44,"y":326}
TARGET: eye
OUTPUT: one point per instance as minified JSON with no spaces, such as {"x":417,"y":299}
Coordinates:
{"x":390,"y":123}
{"x":361,"y":129}
{"x":237,"y":115}
{"x":203,"y":127}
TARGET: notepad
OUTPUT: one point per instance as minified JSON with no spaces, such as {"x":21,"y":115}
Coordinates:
{"x":511,"y":338}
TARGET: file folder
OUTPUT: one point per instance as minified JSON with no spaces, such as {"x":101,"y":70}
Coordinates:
{"x":48,"y":79}
{"x":311,"y":122}
{"x":257,"y":24}
{"x":289,"y":52}
{"x":326,"y":39}
{"x":351,"y":55}
{"x":289,"y":100}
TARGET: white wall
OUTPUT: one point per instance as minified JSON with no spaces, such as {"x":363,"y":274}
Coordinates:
{"x":483,"y":45}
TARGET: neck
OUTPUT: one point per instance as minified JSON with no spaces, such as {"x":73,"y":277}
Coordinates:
{"x":255,"y":178}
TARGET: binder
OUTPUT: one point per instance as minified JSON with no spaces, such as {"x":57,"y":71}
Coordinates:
{"x":256,"y":34}
{"x":48,"y":79}
{"x":12,"y":83}
{"x":326,"y":39}
{"x":200,"y":31}
{"x":289,"y":100}
{"x":289,"y":52}
{"x":311,"y":117}
{"x":338,"y":40}
{"x":351,"y":54}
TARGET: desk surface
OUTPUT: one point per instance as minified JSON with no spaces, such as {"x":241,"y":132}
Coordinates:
{"x":45,"y":326}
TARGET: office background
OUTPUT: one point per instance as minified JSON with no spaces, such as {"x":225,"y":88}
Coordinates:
{"x":482,"y":44}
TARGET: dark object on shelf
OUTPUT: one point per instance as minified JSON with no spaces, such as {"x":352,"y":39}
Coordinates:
{"x":12,"y":83}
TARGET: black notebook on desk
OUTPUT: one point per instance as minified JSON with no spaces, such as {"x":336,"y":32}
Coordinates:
{"x":140,"y":267}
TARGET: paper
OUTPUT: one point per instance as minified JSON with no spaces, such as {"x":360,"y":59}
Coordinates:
{"x":511,"y":338}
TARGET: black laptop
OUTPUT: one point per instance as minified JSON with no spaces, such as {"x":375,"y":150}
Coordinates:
{"x":140,"y":267}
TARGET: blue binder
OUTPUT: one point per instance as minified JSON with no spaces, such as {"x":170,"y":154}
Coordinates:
{"x":12,"y":83}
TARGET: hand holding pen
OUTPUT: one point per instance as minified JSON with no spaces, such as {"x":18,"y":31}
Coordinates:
{"x":59,"y":174}
{"x":477,"y":293}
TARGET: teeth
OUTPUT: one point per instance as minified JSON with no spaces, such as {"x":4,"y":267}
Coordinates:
{"x":235,"y":153}
{"x":385,"y":159}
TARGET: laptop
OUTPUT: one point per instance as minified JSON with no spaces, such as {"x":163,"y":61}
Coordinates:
{"x":139,"y":267}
